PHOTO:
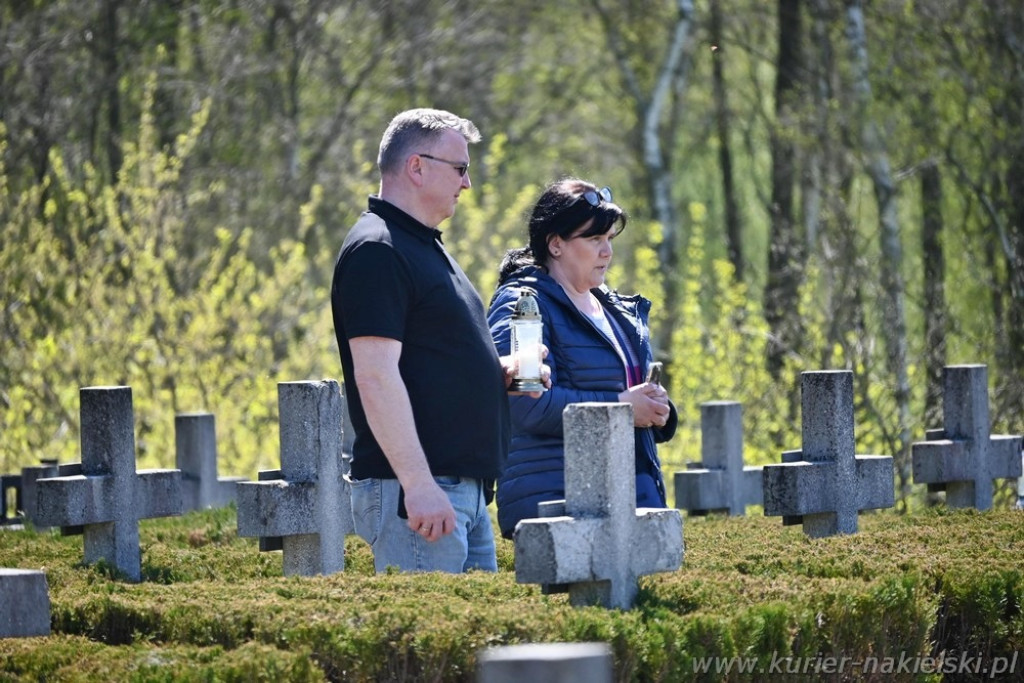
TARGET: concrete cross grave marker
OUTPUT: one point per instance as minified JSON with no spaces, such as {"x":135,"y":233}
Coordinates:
{"x":963,"y":458}
{"x":29,"y":476}
{"x":307,"y":502}
{"x":602,"y":543}
{"x":722,"y":482}
{"x":195,"y":445}
{"x":826,"y":485}
{"x":104,"y":494}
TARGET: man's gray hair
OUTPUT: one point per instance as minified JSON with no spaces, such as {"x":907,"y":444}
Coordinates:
{"x":416,"y":128}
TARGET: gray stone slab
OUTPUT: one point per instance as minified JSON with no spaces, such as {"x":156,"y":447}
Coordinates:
{"x":602,"y":543}
{"x":963,"y":458}
{"x":24,"y":604}
{"x":546,"y":663}
{"x":720,"y":482}
{"x":308,"y":506}
{"x":825,"y":485}
{"x":108,"y":497}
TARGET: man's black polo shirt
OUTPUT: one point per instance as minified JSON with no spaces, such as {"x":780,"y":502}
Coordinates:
{"x":393,"y":278}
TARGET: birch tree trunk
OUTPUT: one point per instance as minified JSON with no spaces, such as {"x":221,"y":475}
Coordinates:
{"x":652,"y":108}
{"x":876,"y":162}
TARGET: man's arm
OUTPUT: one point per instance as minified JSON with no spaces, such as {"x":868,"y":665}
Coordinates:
{"x":389,"y":414}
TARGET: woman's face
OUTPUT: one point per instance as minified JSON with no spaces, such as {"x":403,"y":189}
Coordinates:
{"x":581,"y":262}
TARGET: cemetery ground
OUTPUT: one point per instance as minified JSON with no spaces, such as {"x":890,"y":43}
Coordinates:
{"x":934,"y":595}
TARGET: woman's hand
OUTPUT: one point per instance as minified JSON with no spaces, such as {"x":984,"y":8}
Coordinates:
{"x":650,"y":404}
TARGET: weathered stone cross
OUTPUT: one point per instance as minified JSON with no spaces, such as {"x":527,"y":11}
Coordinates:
{"x":104,"y":494}
{"x":722,"y":483}
{"x":963,"y":458}
{"x":306,"y":503}
{"x":602,"y":543}
{"x":195,"y":446}
{"x":825,"y":485}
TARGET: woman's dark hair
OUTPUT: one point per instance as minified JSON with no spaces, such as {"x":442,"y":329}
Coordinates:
{"x":561,"y":210}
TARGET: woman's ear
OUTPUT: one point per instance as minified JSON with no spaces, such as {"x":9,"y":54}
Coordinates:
{"x":555,"y":244}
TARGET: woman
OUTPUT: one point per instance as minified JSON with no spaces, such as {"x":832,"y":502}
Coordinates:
{"x":598,"y":347}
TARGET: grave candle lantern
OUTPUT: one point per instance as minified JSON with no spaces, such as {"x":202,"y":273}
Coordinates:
{"x":527,"y":334}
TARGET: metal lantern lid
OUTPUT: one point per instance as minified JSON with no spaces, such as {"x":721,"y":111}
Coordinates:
{"x":527,"y":307}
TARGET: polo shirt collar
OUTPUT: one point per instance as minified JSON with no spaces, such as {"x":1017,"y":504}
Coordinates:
{"x":398,"y":218}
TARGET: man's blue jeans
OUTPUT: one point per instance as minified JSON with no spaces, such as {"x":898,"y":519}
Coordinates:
{"x":470,"y":546}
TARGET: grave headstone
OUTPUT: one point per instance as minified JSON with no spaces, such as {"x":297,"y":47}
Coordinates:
{"x":29,"y":475}
{"x":546,"y":663}
{"x":721,"y":482}
{"x":963,"y":458}
{"x":307,"y":503}
{"x":195,"y":444}
{"x":602,"y":543}
{"x":825,"y":485}
{"x":25,"y":603}
{"x":108,"y":497}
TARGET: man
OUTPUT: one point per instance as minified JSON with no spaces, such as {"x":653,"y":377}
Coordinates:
{"x":425,"y":387}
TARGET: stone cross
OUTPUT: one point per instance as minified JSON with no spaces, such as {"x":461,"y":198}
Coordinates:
{"x":963,"y":458}
{"x":25,"y":602}
{"x":546,"y":663}
{"x":48,"y":467}
{"x":602,"y":543}
{"x":723,"y":483}
{"x":825,"y":485}
{"x":104,"y":494}
{"x":307,"y":502}
{"x":195,"y":445}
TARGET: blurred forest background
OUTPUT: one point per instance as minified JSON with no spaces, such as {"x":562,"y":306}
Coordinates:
{"x":812,"y":184}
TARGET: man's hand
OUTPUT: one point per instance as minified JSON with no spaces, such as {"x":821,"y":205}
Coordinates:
{"x":430,"y":512}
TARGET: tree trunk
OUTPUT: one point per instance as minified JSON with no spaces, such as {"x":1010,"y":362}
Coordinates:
{"x":934,"y":292}
{"x":733,"y":236}
{"x":786,"y":254}
{"x":650,"y":111}
{"x":1010,"y":27}
{"x":892,"y":287}
{"x":110,"y":83}
{"x":655,"y":156}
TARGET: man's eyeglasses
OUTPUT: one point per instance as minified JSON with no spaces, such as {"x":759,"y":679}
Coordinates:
{"x":594,"y":197}
{"x":459,"y":167}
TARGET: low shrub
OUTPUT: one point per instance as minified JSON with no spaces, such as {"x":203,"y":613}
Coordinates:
{"x":753,"y":600}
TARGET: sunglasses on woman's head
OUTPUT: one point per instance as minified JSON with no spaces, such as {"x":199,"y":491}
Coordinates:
{"x":595,"y":197}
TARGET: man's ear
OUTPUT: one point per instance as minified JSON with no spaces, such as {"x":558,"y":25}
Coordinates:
{"x":414,"y":169}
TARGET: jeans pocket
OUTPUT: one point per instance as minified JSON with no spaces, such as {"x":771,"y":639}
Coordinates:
{"x":448,"y":483}
{"x":366,"y":508}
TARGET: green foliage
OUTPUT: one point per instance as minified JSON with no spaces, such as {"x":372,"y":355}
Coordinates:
{"x":106,"y":289}
{"x":717,"y":353}
{"x":212,"y":607}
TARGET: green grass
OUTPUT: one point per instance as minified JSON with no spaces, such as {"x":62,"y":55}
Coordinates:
{"x":213,"y":608}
